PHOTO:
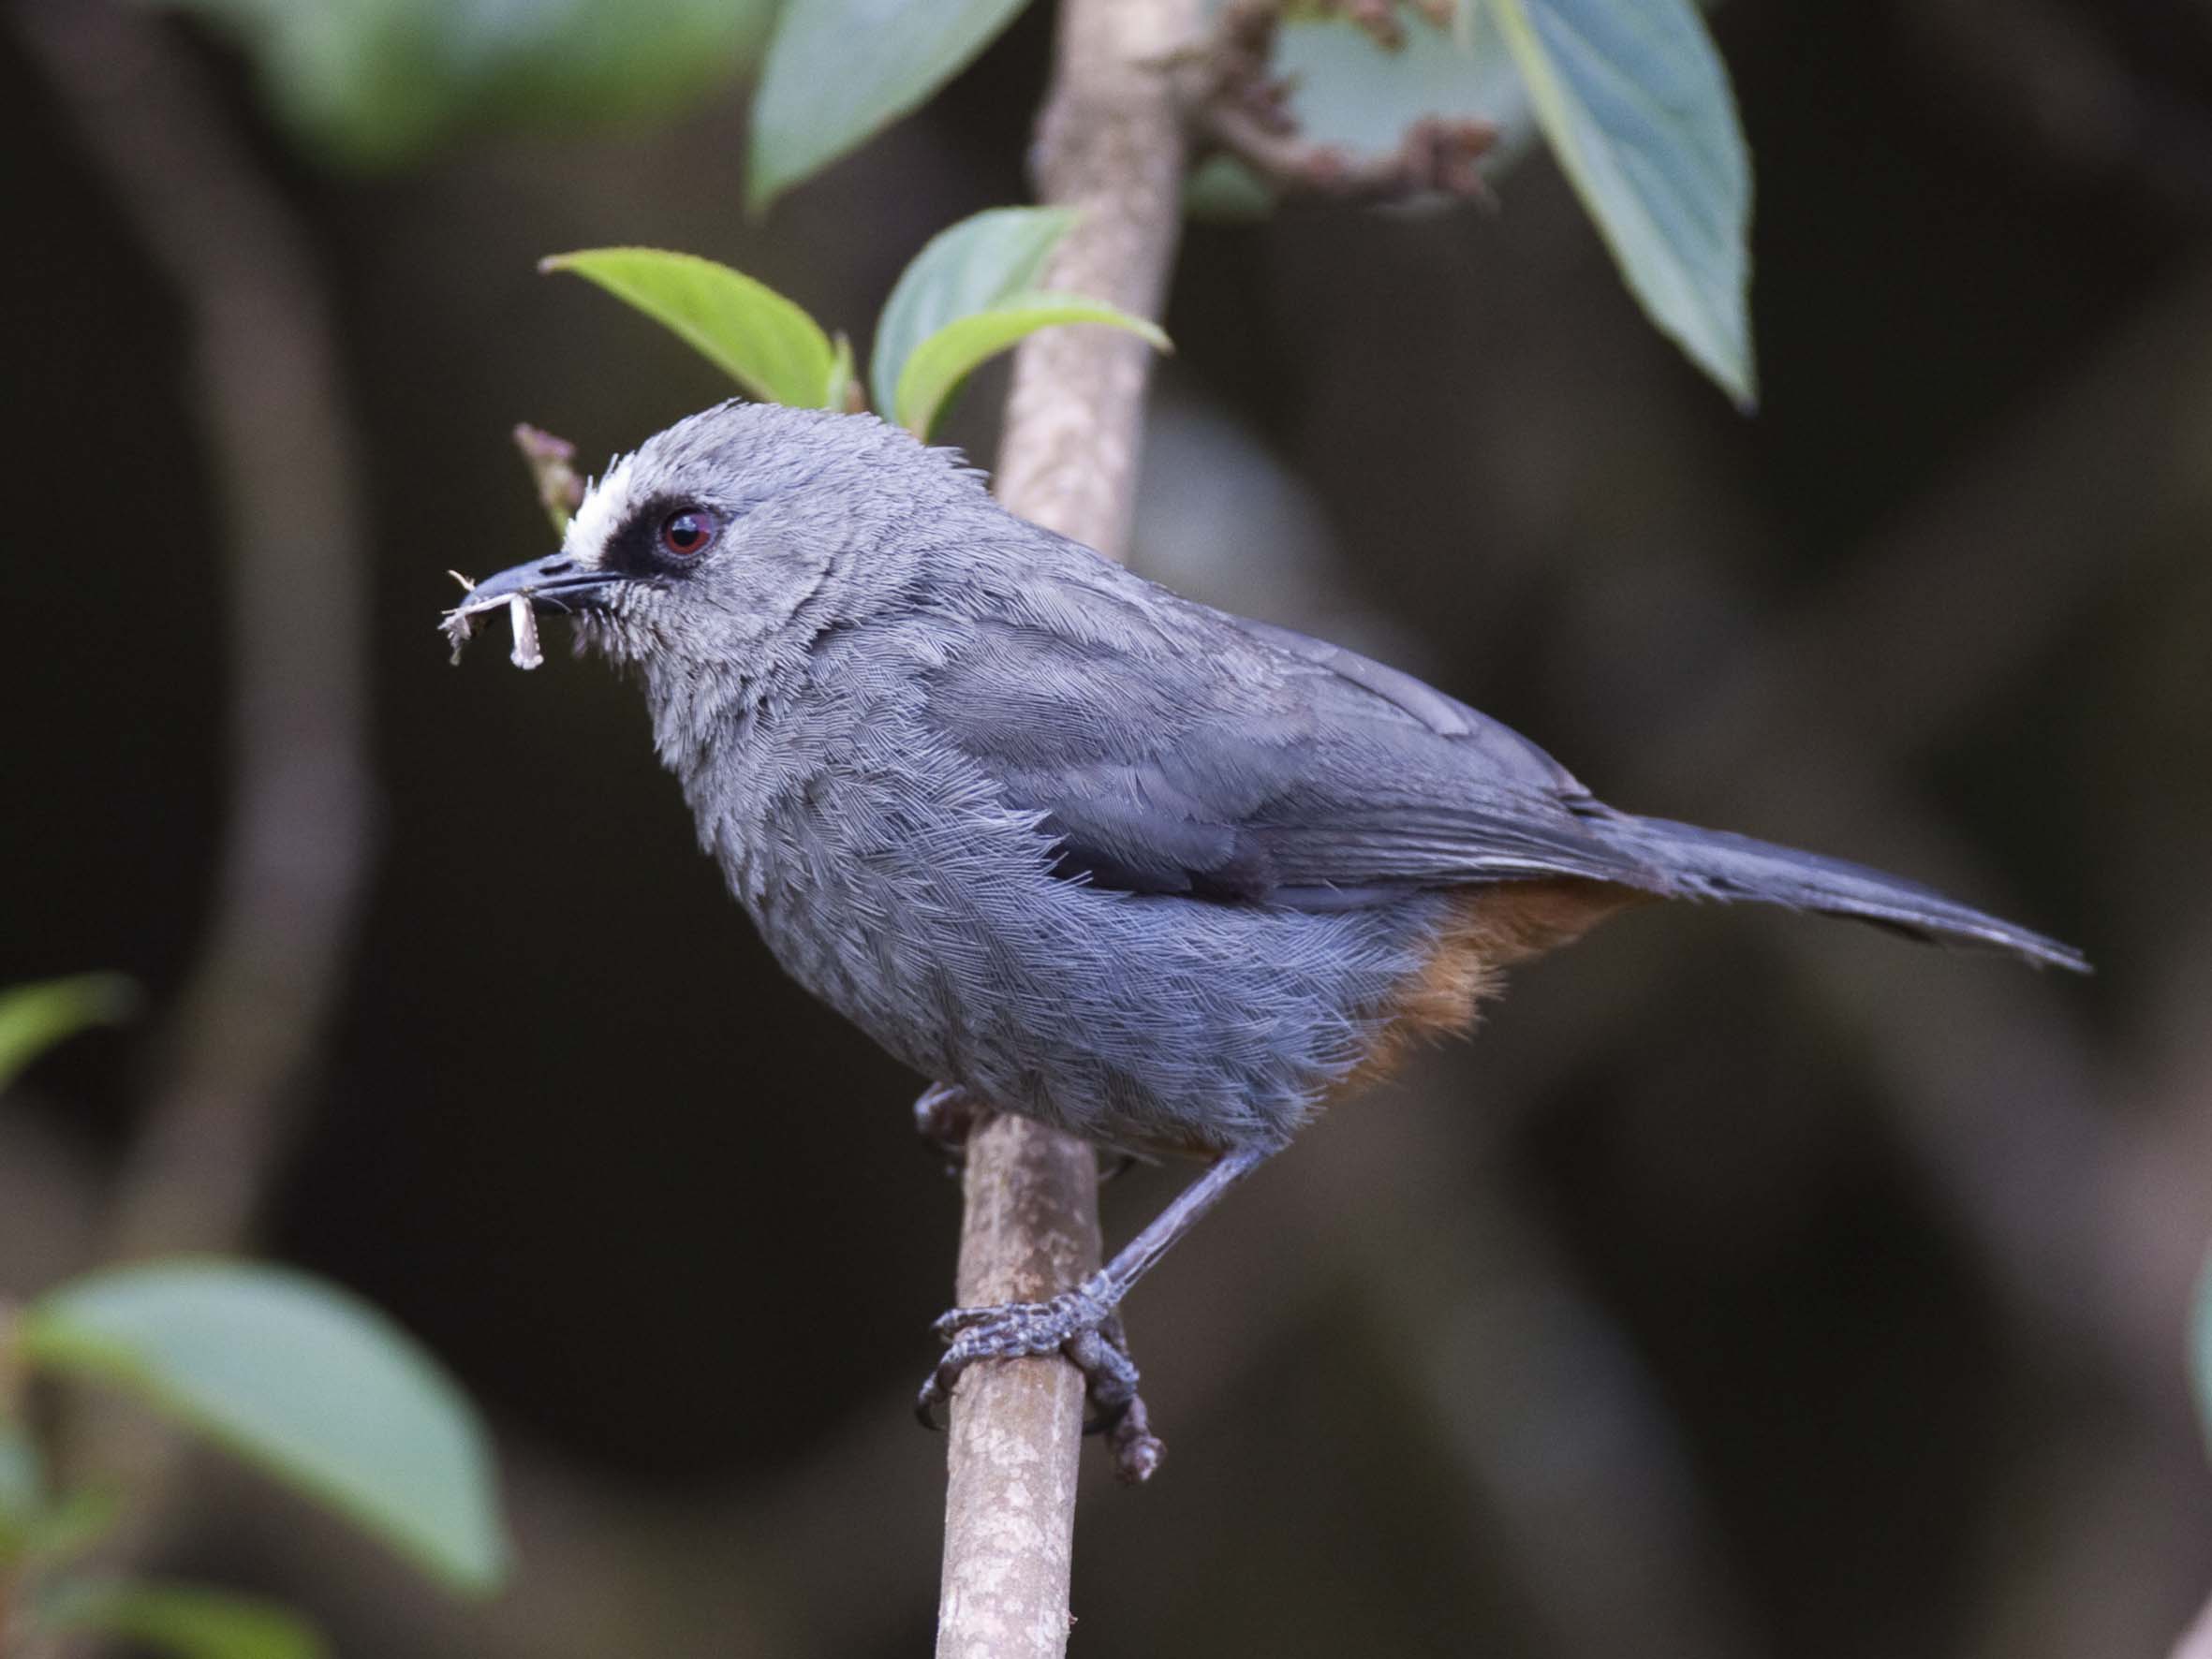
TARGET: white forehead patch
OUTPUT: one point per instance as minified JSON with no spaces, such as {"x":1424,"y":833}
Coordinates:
{"x":603,"y":512}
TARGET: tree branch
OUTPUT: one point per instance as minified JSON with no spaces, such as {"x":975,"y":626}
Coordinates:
{"x":1110,"y":144}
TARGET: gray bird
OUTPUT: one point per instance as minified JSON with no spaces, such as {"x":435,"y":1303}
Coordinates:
{"x":1075,"y":847}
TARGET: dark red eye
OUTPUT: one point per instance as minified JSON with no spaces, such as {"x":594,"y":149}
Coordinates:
{"x":687,"y":533}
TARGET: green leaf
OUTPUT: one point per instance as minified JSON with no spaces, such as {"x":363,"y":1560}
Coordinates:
{"x":22,"y":1486}
{"x":943,"y":360}
{"x":377,"y":83}
{"x":1224,"y":190}
{"x":763,"y":341}
{"x":34,"y":1017}
{"x":969,"y":267}
{"x":1635,"y":101}
{"x":73,"y":1524}
{"x":302,"y":1378}
{"x":969,"y":295}
{"x":839,"y":70}
{"x":1347,"y":92}
{"x":181,"y":1619}
{"x":837,"y":395}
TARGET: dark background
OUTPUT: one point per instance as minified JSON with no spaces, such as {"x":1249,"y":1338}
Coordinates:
{"x":1753,"y":1286}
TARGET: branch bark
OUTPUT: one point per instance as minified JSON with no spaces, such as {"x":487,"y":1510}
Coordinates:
{"x":1110,"y":144}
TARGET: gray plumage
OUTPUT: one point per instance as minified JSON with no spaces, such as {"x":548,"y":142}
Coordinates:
{"x":1131,"y":865}
{"x":1073,"y":846}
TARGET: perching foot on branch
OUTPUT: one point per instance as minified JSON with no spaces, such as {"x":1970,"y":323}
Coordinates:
{"x":1076,"y":1324}
{"x":945,"y":1115}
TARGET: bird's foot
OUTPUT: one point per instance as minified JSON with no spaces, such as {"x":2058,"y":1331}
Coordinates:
{"x":945,"y":1115}
{"x":1077,"y":1325}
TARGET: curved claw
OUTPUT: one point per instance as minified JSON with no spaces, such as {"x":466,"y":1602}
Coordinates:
{"x":1074,"y":1323}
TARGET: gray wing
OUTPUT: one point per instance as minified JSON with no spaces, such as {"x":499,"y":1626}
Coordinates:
{"x":1175,"y":749}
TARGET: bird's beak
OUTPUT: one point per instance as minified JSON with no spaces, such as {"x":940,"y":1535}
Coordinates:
{"x":556,"y":584}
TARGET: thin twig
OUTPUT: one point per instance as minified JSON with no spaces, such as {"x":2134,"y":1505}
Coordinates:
{"x":1110,"y":144}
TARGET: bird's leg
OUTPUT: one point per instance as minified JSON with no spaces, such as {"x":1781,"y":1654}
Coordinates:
{"x":1083,"y":1324}
{"x":945,"y":1115}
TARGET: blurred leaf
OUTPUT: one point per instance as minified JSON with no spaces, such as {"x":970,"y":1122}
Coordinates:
{"x":1223,"y":189}
{"x":969,"y":295}
{"x":377,"y":83}
{"x":22,"y":1486}
{"x":1635,"y":102}
{"x":943,"y":360}
{"x":967,"y":267}
{"x":838,"y":393}
{"x":66,"y":1530}
{"x":837,"y":71}
{"x":34,"y":1017}
{"x":182,"y":1619}
{"x":1349,"y":93}
{"x":552,"y":470}
{"x":303,"y":1379}
{"x":770,"y":345}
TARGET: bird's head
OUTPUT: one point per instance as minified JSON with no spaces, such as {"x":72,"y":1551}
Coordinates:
{"x":737,"y":537}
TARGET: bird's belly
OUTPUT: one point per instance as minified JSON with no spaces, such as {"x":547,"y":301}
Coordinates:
{"x":1140,"y":1021}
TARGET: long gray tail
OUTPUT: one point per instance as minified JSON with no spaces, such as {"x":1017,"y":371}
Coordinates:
{"x":1714,"y":864}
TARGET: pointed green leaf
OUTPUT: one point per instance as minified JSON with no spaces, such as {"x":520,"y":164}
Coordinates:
{"x":302,"y":1378}
{"x":943,"y":360}
{"x":765,"y":341}
{"x":181,"y":1619}
{"x":969,"y":267}
{"x":837,"y":71}
{"x":969,"y":294}
{"x":34,"y":1017}
{"x":1635,"y":101}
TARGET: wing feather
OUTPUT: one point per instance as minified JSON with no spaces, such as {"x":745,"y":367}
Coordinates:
{"x":1175,"y":749}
